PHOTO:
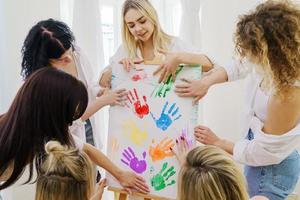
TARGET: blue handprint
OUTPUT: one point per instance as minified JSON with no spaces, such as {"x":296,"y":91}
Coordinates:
{"x":165,"y":119}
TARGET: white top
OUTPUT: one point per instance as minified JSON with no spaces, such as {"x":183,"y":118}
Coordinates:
{"x":264,"y":149}
{"x":86,"y":75}
{"x":175,"y":46}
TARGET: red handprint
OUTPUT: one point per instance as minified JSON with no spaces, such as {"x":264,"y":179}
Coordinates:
{"x":140,"y":110}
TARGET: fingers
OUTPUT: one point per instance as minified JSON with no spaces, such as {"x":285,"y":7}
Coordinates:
{"x":162,"y":75}
{"x":158,"y":70}
{"x":186,"y":80}
{"x":196,"y":99}
{"x":139,"y":61}
{"x":162,"y":51}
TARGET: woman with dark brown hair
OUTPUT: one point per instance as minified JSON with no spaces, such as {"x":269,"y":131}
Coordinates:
{"x":44,"y":108}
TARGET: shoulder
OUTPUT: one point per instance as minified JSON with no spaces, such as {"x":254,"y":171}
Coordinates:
{"x":177,"y":44}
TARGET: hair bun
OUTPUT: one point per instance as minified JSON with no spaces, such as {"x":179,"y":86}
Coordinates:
{"x":54,"y":147}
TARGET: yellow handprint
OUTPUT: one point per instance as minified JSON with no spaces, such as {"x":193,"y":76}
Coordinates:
{"x":161,"y":150}
{"x":136,"y":135}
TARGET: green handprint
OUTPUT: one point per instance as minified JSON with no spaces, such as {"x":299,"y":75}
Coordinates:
{"x":159,"y":181}
{"x":166,"y":87}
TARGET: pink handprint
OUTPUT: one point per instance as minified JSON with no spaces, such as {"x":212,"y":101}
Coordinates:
{"x":139,"y":166}
{"x":140,"y":110}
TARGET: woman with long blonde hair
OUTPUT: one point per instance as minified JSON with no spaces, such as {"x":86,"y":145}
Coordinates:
{"x":145,"y":40}
{"x":66,"y":173}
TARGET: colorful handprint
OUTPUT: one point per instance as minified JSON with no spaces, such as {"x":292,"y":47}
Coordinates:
{"x":159,"y":181}
{"x":136,"y":135}
{"x":139,"y":166}
{"x":161,"y":150}
{"x":139,"y":110}
{"x":140,"y":74}
{"x":166,"y":87}
{"x":166,"y":119}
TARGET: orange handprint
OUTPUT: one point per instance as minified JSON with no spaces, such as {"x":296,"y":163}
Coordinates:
{"x":161,"y":150}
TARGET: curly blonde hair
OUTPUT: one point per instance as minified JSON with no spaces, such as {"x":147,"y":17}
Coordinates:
{"x":270,"y":36}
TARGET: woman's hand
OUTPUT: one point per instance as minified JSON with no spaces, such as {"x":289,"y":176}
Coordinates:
{"x":168,"y":67}
{"x":105,"y":80}
{"x":192,"y":88}
{"x":112,"y":97}
{"x":204,"y":135}
{"x":129,"y":63}
{"x":130,"y":181}
{"x":99,"y":190}
{"x":182,"y":150}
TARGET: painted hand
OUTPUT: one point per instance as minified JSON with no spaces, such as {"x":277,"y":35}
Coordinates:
{"x":165,"y":87}
{"x":166,"y":119}
{"x":161,"y":150}
{"x":139,"y":166}
{"x":159,"y":181}
{"x":136,"y":135}
{"x":140,"y":74}
{"x":140,"y":110}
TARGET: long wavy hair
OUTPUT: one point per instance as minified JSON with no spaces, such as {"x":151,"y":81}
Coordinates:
{"x":66,"y":173}
{"x":48,"y":39}
{"x":270,"y":36}
{"x":44,"y":107}
{"x":210,"y":174}
{"x":161,"y":40}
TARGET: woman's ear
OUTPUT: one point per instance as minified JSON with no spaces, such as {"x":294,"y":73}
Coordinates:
{"x":67,"y":59}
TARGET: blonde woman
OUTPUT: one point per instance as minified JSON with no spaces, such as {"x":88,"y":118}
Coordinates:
{"x":144,"y":40}
{"x":67,"y":173}
{"x":267,"y":40}
{"x":208,"y":173}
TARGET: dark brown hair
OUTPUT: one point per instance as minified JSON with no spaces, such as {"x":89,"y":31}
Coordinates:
{"x":42,"y":110}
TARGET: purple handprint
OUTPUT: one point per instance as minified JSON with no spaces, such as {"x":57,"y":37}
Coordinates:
{"x":165,"y":119}
{"x":139,"y":166}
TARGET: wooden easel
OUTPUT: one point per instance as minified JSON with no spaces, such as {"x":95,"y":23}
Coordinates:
{"x":123,"y":194}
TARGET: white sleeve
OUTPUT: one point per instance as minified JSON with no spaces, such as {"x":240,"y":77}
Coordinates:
{"x":265,"y":149}
{"x":91,"y":78}
{"x":77,"y":130}
{"x":237,"y":69}
{"x":78,"y":142}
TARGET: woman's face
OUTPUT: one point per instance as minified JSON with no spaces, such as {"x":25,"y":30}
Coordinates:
{"x":139,"y":26}
{"x":64,"y":59}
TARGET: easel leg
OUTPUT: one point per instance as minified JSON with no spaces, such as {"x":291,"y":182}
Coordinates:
{"x":147,"y":199}
{"x":123,"y":196}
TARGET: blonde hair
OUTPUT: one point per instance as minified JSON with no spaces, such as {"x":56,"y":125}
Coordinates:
{"x":66,"y":173}
{"x":210,"y":174}
{"x":161,"y":40}
{"x":270,"y":35}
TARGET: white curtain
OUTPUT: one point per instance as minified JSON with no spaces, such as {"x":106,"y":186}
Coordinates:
{"x":87,"y":30}
{"x":190,"y":23}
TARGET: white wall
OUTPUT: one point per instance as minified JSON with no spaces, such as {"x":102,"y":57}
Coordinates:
{"x":16,"y":18}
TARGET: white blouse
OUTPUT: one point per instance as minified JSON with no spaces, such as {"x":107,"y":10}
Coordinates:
{"x":87,"y":76}
{"x":264,"y":149}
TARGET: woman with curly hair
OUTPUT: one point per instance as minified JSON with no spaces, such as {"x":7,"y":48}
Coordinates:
{"x":268,"y":42}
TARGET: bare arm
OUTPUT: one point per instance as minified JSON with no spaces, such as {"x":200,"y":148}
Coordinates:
{"x":108,"y":97}
{"x":192,"y":58}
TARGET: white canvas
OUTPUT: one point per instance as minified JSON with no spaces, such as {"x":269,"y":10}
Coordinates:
{"x":141,"y":133}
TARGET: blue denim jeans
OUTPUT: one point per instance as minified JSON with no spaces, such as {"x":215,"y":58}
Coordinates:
{"x":89,"y":132}
{"x":273,"y":181}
